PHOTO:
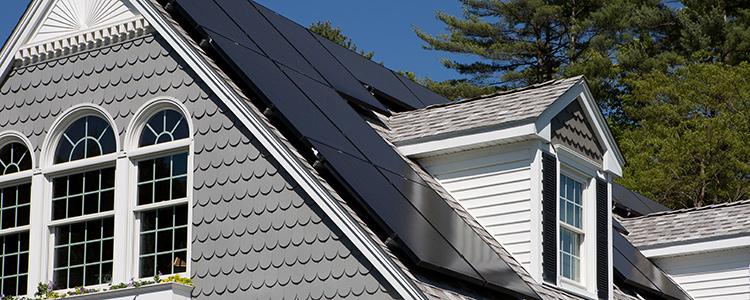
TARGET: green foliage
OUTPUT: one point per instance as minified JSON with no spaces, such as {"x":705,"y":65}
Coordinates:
{"x":336,"y":35}
{"x":691,"y":143}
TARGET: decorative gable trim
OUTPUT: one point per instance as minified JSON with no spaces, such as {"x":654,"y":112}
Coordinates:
{"x":71,"y":26}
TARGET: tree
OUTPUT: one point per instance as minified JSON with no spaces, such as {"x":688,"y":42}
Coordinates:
{"x":691,"y":144}
{"x":336,"y":35}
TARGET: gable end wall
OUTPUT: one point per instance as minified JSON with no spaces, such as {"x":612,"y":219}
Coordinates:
{"x":255,"y":233}
{"x":571,"y":129}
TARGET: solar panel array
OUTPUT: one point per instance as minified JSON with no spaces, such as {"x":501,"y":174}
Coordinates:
{"x":637,"y":270}
{"x":308,"y":81}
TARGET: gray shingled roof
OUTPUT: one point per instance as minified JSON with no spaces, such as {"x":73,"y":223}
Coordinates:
{"x":472,"y":114}
{"x":722,"y":220}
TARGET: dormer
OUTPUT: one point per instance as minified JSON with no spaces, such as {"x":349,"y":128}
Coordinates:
{"x":534,"y":167}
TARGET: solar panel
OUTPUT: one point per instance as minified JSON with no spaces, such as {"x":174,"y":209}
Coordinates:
{"x":429,"y":229}
{"x":336,"y":75}
{"x":267,"y":80}
{"x":638,"y":270}
{"x":270,"y":41}
{"x":635,"y":201}
{"x":372,"y":74}
{"x":211,"y":17}
{"x":426,"y":96}
{"x":425,"y":244}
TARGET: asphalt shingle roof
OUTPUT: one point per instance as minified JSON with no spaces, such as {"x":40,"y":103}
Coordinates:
{"x":689,"y":224}
{"x":476,"y":113}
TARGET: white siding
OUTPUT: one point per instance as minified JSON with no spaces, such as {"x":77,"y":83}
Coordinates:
{"x":494,"y":185}
{"x":721,"y":275}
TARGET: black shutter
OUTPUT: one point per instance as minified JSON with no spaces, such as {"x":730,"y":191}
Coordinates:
{"x":549,"y":217}
{"x":602,"y":238}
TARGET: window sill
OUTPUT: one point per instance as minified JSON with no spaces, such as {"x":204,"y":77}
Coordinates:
{"x":574,"y":289}
{"x":166,"y":291}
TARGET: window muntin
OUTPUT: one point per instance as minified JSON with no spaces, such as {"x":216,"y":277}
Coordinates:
{"x":163,"y":243}
{"x":571,"y":227}
{"x":83,"y":194}
{"x":83,"y":253}
{"x":14,"y":158}
{"x":82,"y":207}
{"x":163,"y":179}
{"x":14,"y":264}
{"x":87,"y":137}
{"x":164,"y":126}
{"x":15,"y":205}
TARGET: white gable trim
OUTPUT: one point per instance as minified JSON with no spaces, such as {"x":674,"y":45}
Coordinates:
{"x":693,"y":247}
{"x":349,"y":227}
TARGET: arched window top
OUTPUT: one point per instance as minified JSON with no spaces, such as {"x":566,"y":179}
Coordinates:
{"x":164,"y":126}
{"x":87,"y":137}
{"x":14,"y":157}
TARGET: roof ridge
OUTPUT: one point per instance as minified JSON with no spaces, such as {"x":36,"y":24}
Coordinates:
{"x":686,"y":210}
{"x":499,"y":93}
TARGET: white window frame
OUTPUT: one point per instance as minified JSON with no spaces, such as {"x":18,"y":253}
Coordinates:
{"x":43,"y":224}
{"x":18,"y":178}
{"x":585,"y":171}
{"x":137,"y":154}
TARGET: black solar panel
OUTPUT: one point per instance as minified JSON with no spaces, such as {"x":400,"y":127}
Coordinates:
{"x":372,"y":74}
{"x":431,"y":231}
{"x":209,"y":16}
{"x":638,"y":270}
{"x":268,"y":81}
{"x":635,"y":201}
{"x":270,"y":41}
{"x":337,"y":76}
{"x":426,"y":96}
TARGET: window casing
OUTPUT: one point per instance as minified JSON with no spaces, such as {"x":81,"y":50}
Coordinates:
{"x":571,"y":228}
{"x":82,"y":213}
{"x":162,"y":163}
{"x":15,"y":213}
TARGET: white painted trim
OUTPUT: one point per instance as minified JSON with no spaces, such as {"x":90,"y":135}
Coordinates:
{"x":536,"y":268}
{"x":480,"y":139}
{"x":286,"y":159}
{"x":67,"y":221}
{"x":24,"y":28}
{"x":58,"y":127}
{"x":81,"y":165}
{"x":16,"y":178}
{"x":160,"y":149}
{"x":10,"y":136}
{"x":148,"y":109}
{"x":693,"y":247}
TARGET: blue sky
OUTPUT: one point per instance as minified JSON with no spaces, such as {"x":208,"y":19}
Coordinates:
{"x":385,"y":27}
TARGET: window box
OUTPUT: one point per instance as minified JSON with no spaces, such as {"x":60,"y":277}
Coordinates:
{"x":160,"y":291}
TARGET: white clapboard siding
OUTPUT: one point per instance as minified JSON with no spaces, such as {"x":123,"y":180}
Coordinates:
{"x":494,"y":185}
{"x":714,"y":276}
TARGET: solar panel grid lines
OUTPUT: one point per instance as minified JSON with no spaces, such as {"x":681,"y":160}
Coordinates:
{"x":427,"y":246}
{"x":373,"y":74}
{"x":279,"y":92}
{"x":210,"y":16}
{"x":424,"y":95}
{"x":326,"y":64}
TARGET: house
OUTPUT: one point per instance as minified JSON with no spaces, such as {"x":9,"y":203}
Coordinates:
{"x":222,"y":142}
{"x":706,"y":250}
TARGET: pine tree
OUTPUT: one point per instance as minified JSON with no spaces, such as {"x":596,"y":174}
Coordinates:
{"x":336,"y":35}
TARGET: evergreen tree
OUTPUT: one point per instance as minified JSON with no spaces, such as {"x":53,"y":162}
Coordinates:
{"x":336,"y":35}
{"x":691,"y":144}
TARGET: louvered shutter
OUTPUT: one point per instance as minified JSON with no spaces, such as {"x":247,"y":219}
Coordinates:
{"x":602,"y":238}
{"x":549,"y":217}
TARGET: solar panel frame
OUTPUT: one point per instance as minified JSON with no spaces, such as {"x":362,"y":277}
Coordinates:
{"x":372,"y":74}
{"x":209,"y":16}
{"x":426,"y":96}
{"x":266,"y":37}
{"x":328,"y":66}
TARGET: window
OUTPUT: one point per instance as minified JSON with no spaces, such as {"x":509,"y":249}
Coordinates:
{"x":83,"y":205}
{"x":571,"y":227}
{"x":15,"y":203}
{"x":162,"y":189}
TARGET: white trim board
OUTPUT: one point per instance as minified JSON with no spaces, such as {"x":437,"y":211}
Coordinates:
{"x":692,"y":247}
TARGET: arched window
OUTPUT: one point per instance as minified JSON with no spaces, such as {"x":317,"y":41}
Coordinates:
{"x":162,"y":194}
{"x":15,"y":204}
{"x":83,"y":204}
